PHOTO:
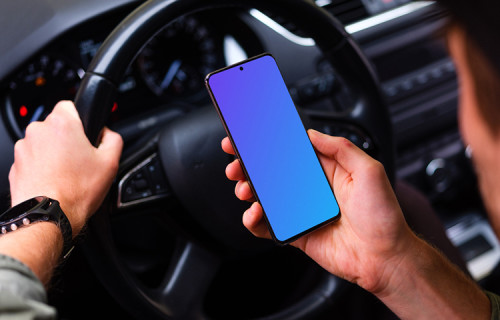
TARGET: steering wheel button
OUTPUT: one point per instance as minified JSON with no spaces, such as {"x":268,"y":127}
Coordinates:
{"x":152,"y":168}
{"x":134,"y":189}
{"x":159,"y":183}
{"x":146,"y":182}
{"x":139,"y":175}
{"x":129,"y":191}
{"x":129,"y":195}
{"x":157,"y":177}
{"x":145,"y":194}
{"x":141,"y":184}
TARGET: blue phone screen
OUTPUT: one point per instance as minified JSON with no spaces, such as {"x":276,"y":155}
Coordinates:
{"x":273,"y":146}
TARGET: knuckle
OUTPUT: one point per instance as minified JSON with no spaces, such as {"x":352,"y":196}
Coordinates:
{"x":32,"y":129}
{"x":56,"y":120}
{"x":12,"y":174}
{"x":63,"y":107}
{"x":18,"y":148}
{"x":344,"y":142}
{"x":376,"y":168}
{"x":61,"y":118}
{"x":112,"y":164}
{"x":118,"y":140}
{"x":19,"y":143}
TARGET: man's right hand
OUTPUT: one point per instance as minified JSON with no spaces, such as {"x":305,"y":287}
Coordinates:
{"x":371,"y":244}
{"x":371,"y":237}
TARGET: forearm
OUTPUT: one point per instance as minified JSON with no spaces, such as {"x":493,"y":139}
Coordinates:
{"x":38,"y":246}
{"x":427,"y":286}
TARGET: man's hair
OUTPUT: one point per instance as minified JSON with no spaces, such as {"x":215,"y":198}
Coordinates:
{"x":486,"y":82}
{"x":478,"y":20}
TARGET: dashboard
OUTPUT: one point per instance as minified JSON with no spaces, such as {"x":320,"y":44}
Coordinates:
{"x":43,"y":58}
{"x":169,"y":70}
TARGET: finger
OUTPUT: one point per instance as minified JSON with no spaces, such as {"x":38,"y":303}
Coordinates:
{"x":350,"y":157}
{"x":111,"y":143}
{"x":20,"y":148}
{"x":243,"y":191}
{"x":64,"y":118}
{"x":234,"y":171}
{"x":67,"y":107}
{"x":253,"y":220}
{"x":227,"y":146}
{"x":34,"y":132}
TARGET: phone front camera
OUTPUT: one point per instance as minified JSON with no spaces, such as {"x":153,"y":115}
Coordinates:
{"x":241,"y":68}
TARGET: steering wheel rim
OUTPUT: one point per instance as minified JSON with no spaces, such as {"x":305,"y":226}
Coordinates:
{"x":98,"y":92}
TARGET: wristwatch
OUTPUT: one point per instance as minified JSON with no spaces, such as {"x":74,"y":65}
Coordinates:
{"x":34,"y":210}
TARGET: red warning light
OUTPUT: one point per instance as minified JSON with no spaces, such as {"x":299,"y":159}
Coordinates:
{"x":23,"y":111}
{"x":115,"y":107}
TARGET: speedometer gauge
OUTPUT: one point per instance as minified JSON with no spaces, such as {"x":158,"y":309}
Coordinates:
{"x":174,"y":63}
{"x":34,"y":92}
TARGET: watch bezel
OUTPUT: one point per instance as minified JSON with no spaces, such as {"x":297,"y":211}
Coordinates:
{"x":34,"y":210}
{"x":23,"y":209}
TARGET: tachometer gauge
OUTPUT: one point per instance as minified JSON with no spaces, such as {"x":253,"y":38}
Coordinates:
{"x":174,"y":63}
{"x":34,"y":92}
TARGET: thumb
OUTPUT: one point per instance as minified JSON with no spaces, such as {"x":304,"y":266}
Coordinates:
{"x":111,"y":143}
{"x":350,"y":157}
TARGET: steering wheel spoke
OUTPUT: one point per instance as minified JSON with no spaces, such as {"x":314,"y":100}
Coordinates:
{"x":185,"y":285}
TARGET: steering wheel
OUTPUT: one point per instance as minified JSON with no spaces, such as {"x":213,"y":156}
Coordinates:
{"x":184,"y":161}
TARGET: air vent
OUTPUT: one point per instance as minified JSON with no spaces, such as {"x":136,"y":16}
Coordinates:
{"x":347,"y":11}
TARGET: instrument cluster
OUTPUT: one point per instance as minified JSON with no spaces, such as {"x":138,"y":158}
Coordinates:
{"x":169,"y":69}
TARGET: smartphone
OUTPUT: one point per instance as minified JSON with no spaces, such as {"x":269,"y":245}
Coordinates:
{"x":274,"y":149}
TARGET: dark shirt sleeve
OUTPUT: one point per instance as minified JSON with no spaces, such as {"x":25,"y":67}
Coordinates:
{"x":495,"y":305}
{"x":22,"y":295}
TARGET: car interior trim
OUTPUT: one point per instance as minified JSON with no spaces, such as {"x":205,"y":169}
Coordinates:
{"x":306,"y":42}
{"x":233,"y":52}
{"x":396,"y":13}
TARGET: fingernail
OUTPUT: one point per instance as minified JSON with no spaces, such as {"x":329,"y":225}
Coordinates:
{"x":313,"y":132}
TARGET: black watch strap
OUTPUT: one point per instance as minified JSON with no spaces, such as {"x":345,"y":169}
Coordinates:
{"x":34,"y":210}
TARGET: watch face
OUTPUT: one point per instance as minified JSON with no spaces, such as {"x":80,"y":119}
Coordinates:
{"x":21,"y":209}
